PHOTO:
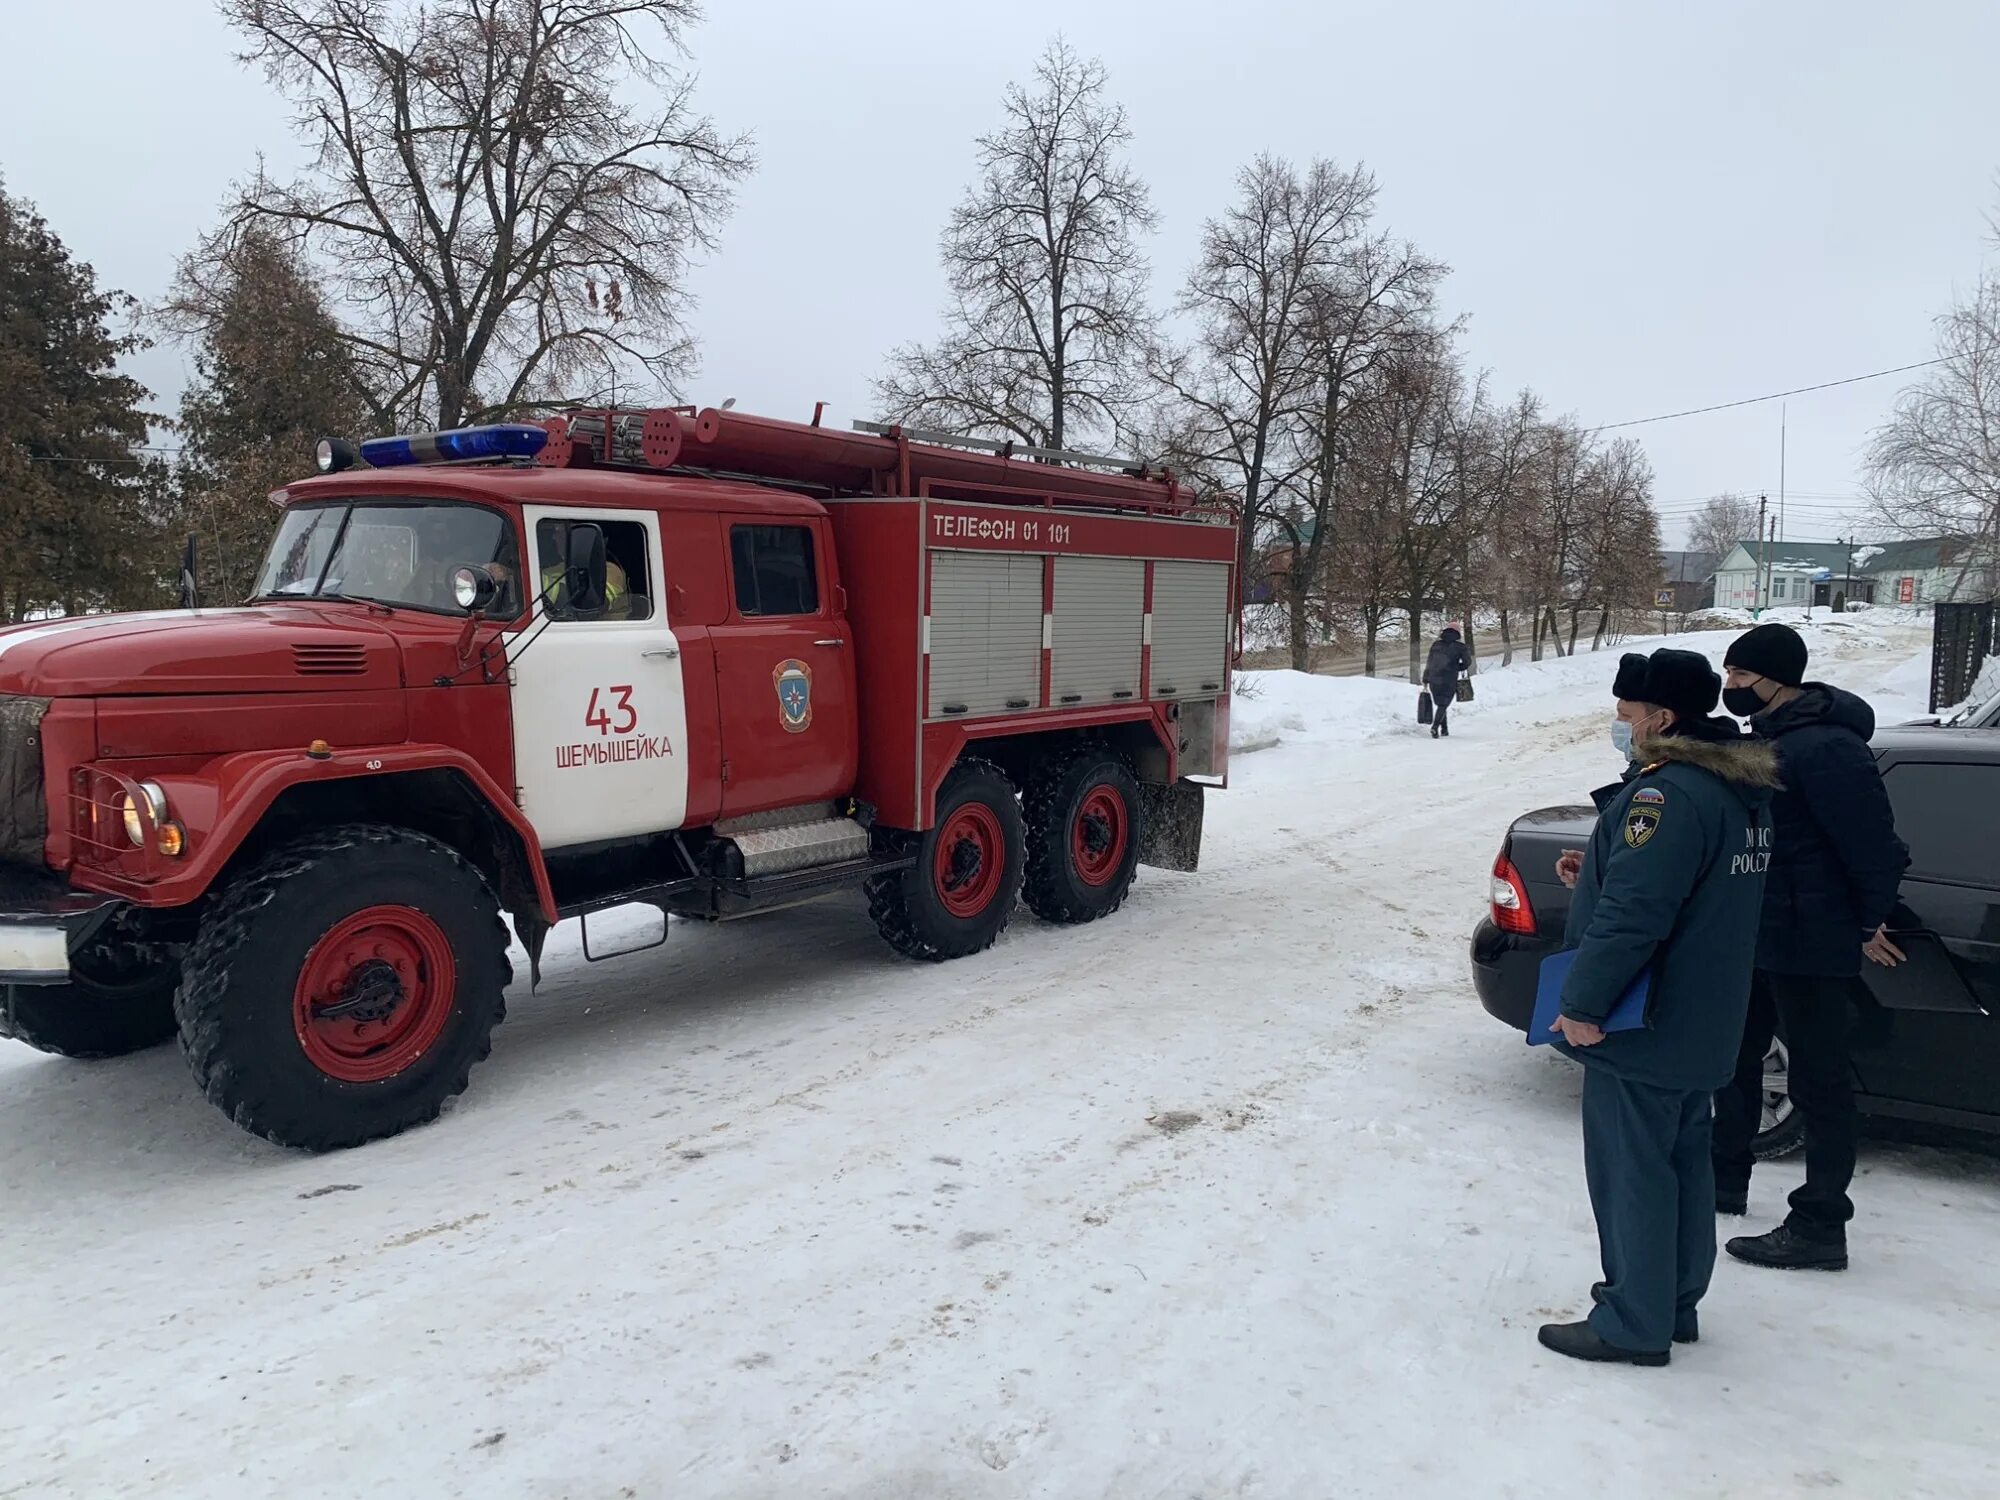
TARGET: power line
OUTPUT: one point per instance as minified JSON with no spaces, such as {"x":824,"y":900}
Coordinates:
{"x":1824,"y":385}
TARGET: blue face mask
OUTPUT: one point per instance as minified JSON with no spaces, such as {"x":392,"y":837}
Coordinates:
{"x":1621,"y":736}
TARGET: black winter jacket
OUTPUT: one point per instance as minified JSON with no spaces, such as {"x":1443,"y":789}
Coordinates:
{"x":1673,"y":884}
{"x":1837,"y":863}
{"x":1447,"y":660}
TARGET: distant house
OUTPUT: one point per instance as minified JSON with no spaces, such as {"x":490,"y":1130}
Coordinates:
{"x":1794,"y":575}
{"x":1793,"y":569}
{"x":1925,"y":572}
{"x":1687,"y":581}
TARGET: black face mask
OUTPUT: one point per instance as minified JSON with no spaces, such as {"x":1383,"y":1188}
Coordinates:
{"x":1744,"y":702}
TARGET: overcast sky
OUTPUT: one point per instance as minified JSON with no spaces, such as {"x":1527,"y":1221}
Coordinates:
{"x":1646,"y":208}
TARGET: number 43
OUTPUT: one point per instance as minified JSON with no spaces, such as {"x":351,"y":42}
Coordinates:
{"x":599,"y":718}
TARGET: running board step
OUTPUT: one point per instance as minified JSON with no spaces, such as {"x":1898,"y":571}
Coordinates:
{"x":779,"y":842}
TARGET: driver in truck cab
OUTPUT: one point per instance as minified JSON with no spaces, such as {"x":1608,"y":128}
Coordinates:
{"x":617,"y":584}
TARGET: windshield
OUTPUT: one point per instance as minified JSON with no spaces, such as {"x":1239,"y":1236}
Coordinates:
{"x":392,"y":552}
{"x":1979,"y":713}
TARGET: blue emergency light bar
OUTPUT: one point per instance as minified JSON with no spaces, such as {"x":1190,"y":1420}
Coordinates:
{"x":505,"y":440}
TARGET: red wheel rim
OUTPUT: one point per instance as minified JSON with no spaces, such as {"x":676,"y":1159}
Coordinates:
{"x":374,"y":994}
{"x":971,"y":860}
{"x":1098,"y":836}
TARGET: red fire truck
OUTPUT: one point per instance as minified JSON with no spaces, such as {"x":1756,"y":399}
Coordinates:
{"x":703,"y":661}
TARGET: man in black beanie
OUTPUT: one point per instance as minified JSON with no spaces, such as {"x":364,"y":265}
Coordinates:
{"x":1834,"y":874}
{"x":1670,"y":888}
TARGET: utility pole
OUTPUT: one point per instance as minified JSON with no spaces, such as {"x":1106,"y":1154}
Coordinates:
{"x":1847,"y":578}
{"x":1781,"y":473}
{"x":1760,"y":595}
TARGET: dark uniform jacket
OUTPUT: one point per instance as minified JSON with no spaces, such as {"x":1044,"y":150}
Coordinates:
{"x":1448,"y":657}
{"x":1837,"y":863}
{"x":1673,"y":884}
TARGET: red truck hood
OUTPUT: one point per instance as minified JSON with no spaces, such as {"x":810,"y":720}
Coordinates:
{"x":266,"y":648}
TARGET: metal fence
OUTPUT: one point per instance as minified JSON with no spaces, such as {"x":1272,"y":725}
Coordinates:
{"x":1963,"y":636}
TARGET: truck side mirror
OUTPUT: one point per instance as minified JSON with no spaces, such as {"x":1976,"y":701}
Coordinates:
{"x":584,"y":569}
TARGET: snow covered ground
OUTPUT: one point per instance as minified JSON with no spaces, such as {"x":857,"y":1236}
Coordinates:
{"x":1239,"y":1194}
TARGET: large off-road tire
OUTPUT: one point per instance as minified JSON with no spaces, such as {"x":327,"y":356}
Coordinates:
{"x":120,"y":999}
{"x":1082,"y":812}
{"x":957,"y":897}
{"x":342,"y":989}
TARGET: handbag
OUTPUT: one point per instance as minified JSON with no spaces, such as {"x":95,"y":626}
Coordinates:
{"x":1424,"y":706}
{"x":1464,"y":690}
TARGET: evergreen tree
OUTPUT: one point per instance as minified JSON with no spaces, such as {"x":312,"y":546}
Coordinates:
{"x":73,"y":508}
{"x":272,"y":377}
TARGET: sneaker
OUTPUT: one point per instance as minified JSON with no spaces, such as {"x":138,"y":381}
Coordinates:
{"x":1687,"y":1330}
{"x":1581,"y":1341}
{"x":1786,"y":1251}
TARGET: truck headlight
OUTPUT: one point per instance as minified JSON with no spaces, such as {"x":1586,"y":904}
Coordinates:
{"x":156,"y":803}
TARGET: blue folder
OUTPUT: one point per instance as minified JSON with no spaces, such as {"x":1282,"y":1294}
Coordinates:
{"x":1629,"y":1014}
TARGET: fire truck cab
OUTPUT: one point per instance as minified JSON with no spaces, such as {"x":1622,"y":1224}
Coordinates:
{"x":703,"y":661}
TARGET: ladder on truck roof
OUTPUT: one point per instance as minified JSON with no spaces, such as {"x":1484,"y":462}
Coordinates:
{"x":875,"y":459}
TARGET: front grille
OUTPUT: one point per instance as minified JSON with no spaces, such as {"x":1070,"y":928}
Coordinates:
{"x":333,"y":660}
{"x":24,"y":813}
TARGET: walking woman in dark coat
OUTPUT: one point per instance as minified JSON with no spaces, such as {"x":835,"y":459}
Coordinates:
{"x":1447,"y":660}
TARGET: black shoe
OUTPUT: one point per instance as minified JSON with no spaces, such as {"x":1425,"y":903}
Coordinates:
{"x":1434,"y":731}
{"x":1686,"y":1330}
{"x":1580,"y":1341}
{"x":1786,"y":1251}
{"x":1736,"y":1205}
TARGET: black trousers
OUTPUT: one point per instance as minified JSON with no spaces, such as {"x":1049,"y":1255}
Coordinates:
{"x":1440,"y":710}
{"x":1814,"y":1016}
{"x":1646,"y":1157}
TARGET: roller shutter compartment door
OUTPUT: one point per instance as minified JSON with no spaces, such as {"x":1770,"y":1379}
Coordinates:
{"x":1190,"y":629}
{"x":986,"y":633}
{"x":1100,"y":606}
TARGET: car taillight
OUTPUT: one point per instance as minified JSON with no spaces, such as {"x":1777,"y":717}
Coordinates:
{"x":1512,"y":911}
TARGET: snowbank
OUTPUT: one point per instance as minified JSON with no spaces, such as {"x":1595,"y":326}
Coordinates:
{"x":1285,"y":707}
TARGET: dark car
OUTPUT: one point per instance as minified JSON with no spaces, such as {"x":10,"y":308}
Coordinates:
{"x":1926,"y":1041}
{"x":1976,"y":714}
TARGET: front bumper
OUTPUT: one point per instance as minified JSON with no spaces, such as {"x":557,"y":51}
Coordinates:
{"x":42,"y":922}
{"x":1506,"y":967}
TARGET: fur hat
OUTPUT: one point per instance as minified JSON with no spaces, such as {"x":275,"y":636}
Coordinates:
{"x":1770,"y":650}
{"x":1680,"y":680}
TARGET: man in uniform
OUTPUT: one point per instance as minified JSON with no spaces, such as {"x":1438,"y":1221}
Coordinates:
{"x":1670,"y":889}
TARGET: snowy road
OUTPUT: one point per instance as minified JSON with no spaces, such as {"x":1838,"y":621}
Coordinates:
{"x":1237,"y":1195}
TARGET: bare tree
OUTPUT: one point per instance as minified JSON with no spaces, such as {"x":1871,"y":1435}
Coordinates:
{"x":1359,"y":571}
{"x":1404,"y":462}
{"x":1263,"y":268}
{"x":1934,"y":465}
{"x":1554,"y":543}
{"x":1375,"y":305}
{"x":499,"y":218}
{"x":1618,"y":557}
{"x":1722,"y":522}
{"x":1048,"y":309}
{"x":1507,"y":452}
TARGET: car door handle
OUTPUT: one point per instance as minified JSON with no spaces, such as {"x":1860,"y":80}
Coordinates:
{"x":669,"y":652}
{"x":832,"y":640}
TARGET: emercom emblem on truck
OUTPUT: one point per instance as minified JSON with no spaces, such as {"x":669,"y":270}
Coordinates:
{"x":794,"y":682}
{"x":521,"y":672}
